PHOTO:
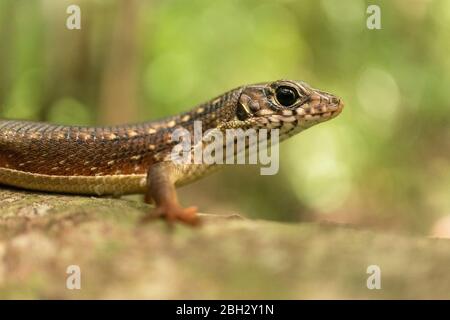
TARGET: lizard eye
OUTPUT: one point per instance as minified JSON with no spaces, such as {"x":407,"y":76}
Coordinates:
{"x":286,"y":96}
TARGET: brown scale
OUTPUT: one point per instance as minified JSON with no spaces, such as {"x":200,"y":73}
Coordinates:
{"x":88,"y":151}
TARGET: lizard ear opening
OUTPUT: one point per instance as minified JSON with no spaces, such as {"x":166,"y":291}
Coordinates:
{"x":242,"y":113}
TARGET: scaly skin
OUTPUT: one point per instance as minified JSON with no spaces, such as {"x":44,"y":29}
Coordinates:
{"x":136,"y":158}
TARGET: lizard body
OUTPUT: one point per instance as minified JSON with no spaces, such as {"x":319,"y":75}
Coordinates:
{"x":135,"y":158}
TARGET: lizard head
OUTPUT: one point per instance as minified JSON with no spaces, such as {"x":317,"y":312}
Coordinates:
{"x":290,"y":106}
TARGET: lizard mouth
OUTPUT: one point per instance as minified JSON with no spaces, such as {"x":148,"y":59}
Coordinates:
{"x":322,"y":108}
{"x":309,"y":113}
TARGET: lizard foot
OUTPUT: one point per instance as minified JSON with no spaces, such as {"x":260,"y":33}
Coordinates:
{"x":174,"y":213}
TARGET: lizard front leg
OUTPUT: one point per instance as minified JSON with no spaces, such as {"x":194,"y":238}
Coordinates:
{"x":161,"y":179}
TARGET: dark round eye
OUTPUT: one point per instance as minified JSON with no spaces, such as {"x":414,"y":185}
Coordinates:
{"x":286,"y":96}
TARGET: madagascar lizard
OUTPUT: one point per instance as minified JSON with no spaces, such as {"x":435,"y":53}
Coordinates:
{"x":135,"y":158}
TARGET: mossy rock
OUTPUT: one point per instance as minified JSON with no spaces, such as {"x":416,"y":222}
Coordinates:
{"x":42,"y":234}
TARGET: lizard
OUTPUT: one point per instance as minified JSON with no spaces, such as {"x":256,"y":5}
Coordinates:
{"x":134,"y":158}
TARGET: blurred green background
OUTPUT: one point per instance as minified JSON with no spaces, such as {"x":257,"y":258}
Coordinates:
{"x":383,"y":163}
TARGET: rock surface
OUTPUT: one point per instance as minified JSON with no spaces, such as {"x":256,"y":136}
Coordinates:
{"x":41,"y":235}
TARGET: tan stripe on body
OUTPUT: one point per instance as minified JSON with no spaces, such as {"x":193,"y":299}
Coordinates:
{"x":94,"y":185}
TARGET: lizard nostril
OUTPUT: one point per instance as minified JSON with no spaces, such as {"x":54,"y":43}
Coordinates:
{"x":335,"y":100}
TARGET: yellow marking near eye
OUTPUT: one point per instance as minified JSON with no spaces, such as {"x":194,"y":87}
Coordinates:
{"x":275,"y":118}
{"x":185,"y":118}
{"x":264,"y":112}
{"x":171,"y":124}
{"x":288,"y":119}
{"x":200,"y":110}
